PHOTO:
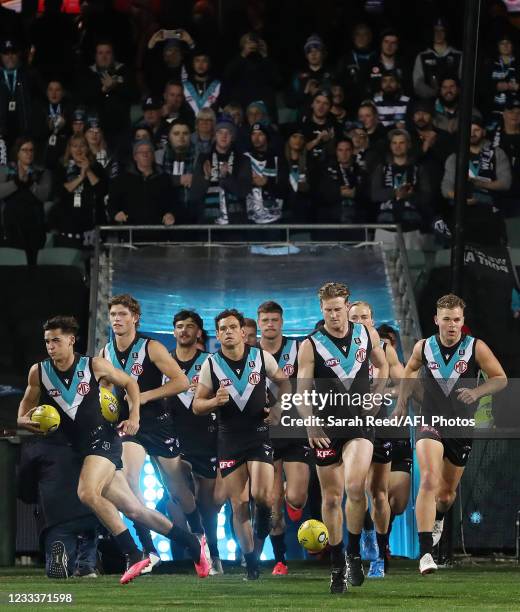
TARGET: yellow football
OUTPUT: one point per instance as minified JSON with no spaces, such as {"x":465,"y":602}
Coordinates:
{"x":48,"y":418}
{"x":109,"y":405}
{"x":313,"y":535}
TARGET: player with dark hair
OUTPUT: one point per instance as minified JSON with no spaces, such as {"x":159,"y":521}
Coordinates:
{"x":232,"y":382}
{"x":71,"y":383}
{"x":450,"y":360}
{"x":291,"y":456}
{"x":197,"y":434}
{"x":250,"y":330}
{"x":148,"y":363}
{"x":336,"y":357}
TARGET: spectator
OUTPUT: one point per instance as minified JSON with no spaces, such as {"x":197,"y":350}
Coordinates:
{"x":164,"y":59}
{"x":251,"y":75}
{"x":79,"y":121}
{"x":359,"y":138}
{"x":369,"y":119}
{"x":108,"y":87}
{"x":215,"y":178}
{"x":446,"y":115}
{"x":24,"y":187}
{"x":80,"y":205}
{"x":142,"y":195}
{"x":235,"y":112}
{"x":175,"y":107}
{"x":507,"y":137}
{"x":489,"y":176}
{"x":438,"y":61}
{"x":387,"y":59}
{"x":352,"y":67}
{"x":202,"y":137}
{"x":52,"y":124}
{"x":338,"y":108}
{"x":263,"y":179}
{"x":178,"y":160}
{"x":320,"y":129}
{"x":299,"y":199}
{"x":201,"y":90}
{"x":48,"y":475}
{"x":153,"y":119}
{"x":400,"y":189}
{"x":429,"y":144}
{"x":15,"y":94}
{"x":257,"y":112}
{"x":503,"y":77}
{"x":390,"y":103}
{"x":314,"y":76}
{"x":339,"y":187}
{"x":99,"y":148}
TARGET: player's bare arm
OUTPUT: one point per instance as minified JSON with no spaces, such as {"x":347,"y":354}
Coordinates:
{"x":496,"y":377}
{"x":410,"y":374}
{"x":377,"y":357}
{"x":305,"y":376}
{"x":103,"y":369}
{"x":178,"y":381}
{"x":30,"y":401}
{"x":284,"y":388}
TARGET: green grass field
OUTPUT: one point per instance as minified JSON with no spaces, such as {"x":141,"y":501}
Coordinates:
{"x":476,"y":587}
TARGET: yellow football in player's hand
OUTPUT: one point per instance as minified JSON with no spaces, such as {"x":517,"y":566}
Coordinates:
{"x":313,"y":535}
{"x":109,"y":405}
{"x":48,"y":418}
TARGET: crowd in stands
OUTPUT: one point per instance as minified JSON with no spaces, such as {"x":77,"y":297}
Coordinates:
{"x":363,"y":130}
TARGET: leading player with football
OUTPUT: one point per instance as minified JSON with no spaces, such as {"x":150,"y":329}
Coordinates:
{"x":70,"y":382}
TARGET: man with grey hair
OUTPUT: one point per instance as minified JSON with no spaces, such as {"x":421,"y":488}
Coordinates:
{"x":400,"y":188}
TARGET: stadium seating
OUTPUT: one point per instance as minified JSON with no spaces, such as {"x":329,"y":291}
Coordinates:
{"x":61,"y":256}
{"x":12,"y":257}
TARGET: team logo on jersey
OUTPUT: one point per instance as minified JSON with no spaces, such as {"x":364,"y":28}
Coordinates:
{"x":288,"y":369}
{"x":195,"y":380}
{"x":137,"y":369}
{"x":332,"y":363}
{"x":226,"y":382}
{"x":54,"y":392}
{"x":461,"y":366}
{"x":286,"y":356}
{"x":83,"y":388}
{"x":252,"y":364}
{"x":323,"y":453}
{"x":361,"y":355}
{"x":433,"y":365}
{"x":462,"y":351}
{"x":198,"y":367}
{"x":135,"y":355}
{"x":81,"y":374}
{"x":254,"y":378}
{"x":226,"y":464}
{"x":357,"y":340}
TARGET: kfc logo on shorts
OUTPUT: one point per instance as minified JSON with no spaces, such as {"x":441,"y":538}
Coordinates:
{"x":433,"y":365}
{"x":461,"y":366}
{"x":323,"y":453}
{"x":137,"y":369}
{"x":288,"y":369}
{"x":361,"y":355}
{"x":226,"y":464}
{"x":83,"y":388}
{"x":54,"y":392}
{"x":332,"y":363}
{"x":254,"y":378}
{"x":225,"y":382}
